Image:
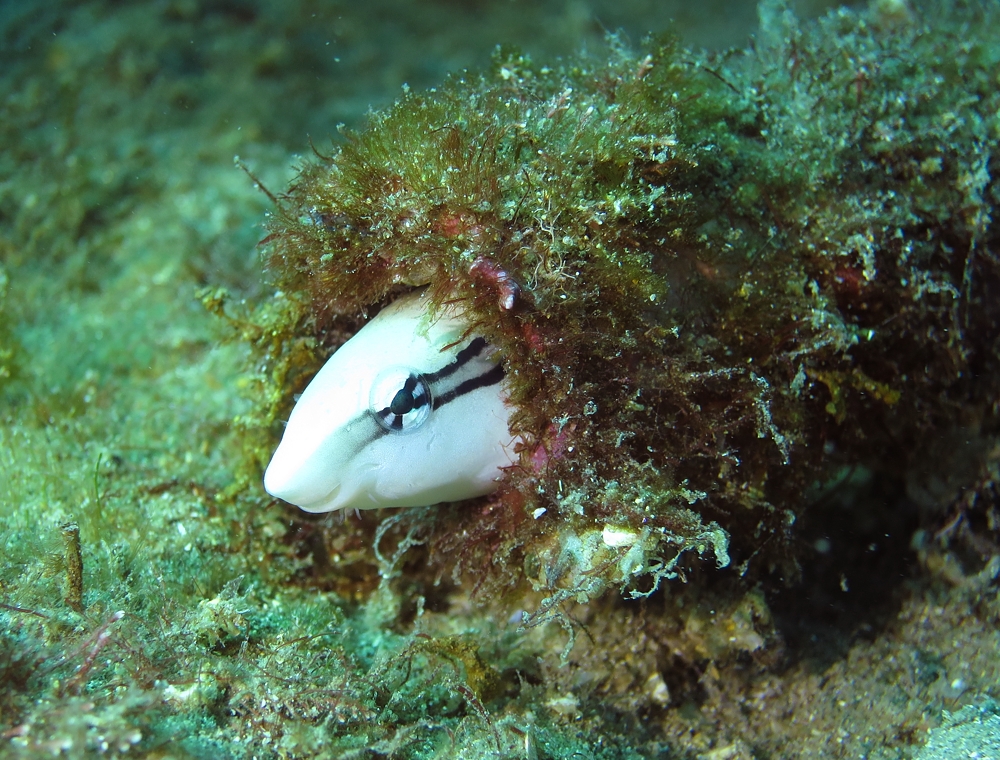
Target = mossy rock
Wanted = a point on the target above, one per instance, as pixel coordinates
(714, 281)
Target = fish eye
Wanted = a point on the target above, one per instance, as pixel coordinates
(400, 399)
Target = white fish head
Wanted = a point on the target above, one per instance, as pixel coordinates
(409, 412)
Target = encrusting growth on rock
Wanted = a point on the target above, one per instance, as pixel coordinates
(714, 283)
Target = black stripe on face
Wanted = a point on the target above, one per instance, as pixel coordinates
(490, 377)
(423, 393)
(363, 430)
(462, 358)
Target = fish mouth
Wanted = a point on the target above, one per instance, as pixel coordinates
(322, 504)
(292, 486)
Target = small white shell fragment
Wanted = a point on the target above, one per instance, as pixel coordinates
(539, 512)
(409, 412)
(617, 537)
(657, 691)
(567, 705)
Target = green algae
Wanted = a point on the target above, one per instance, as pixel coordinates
(249, 631)
(724, 268)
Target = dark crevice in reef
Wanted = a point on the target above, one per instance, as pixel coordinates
(856, 559)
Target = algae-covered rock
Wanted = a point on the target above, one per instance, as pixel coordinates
(715, 281)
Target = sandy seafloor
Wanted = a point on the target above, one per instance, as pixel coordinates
(119, 201)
